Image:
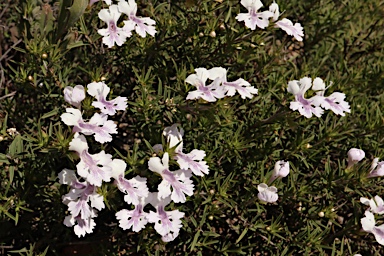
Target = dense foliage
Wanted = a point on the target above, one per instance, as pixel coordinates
(319, 209)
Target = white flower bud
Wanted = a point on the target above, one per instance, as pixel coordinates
(355, 155)
(281, 170)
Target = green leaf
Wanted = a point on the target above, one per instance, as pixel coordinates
(50, 113)
(16, 146)
(242, 235)
(70, 12)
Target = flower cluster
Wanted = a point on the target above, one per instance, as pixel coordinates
(118, 35)
(83, 200)
(316, 104)
(98, 125)
(174, 186)
(368, 223)
(254, 18)
(268, 194)
(219, 88)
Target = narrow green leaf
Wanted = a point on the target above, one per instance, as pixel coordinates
(242, 235)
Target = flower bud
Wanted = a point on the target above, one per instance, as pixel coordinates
(212, 34)
(281, 170)
(74, 95)
(321, 214)
(355, 155)
(293, 87)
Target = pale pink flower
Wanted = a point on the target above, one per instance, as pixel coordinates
(97, 125)
(306, 107)
(376, 204)
(230, 88)
(368, 224)
(78, 198)
(80, 205)
(377, 168)
(293, 30)
(334, 102)
(136, 218)
(113, 34)
(81, 226)
(94, 168)
(193, 161)
(100, 91)
(142, 26)
(210, 92)
(167, 223)
(134, 188)
(74, 95)
(179, 180)
(267, 194)
(254, 18)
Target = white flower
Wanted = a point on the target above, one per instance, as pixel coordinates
(230, 88)
(281, 170)
(293, 30)
(78, 198)
(179, 180)
(94, 168)
(376, 205)
(100, 91)
(267, 194)
(274, 8)
(306, 107)
(134, 188)
(97, 125)
(369, 225)
(81, 226)
(167, 223)
(141, 25)
(254, 18)
(193, 161)
(210, 92)
(355, 155)
(136, 218)
(74, 95)
(377, 168)
(112, 34)
(334, 102)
